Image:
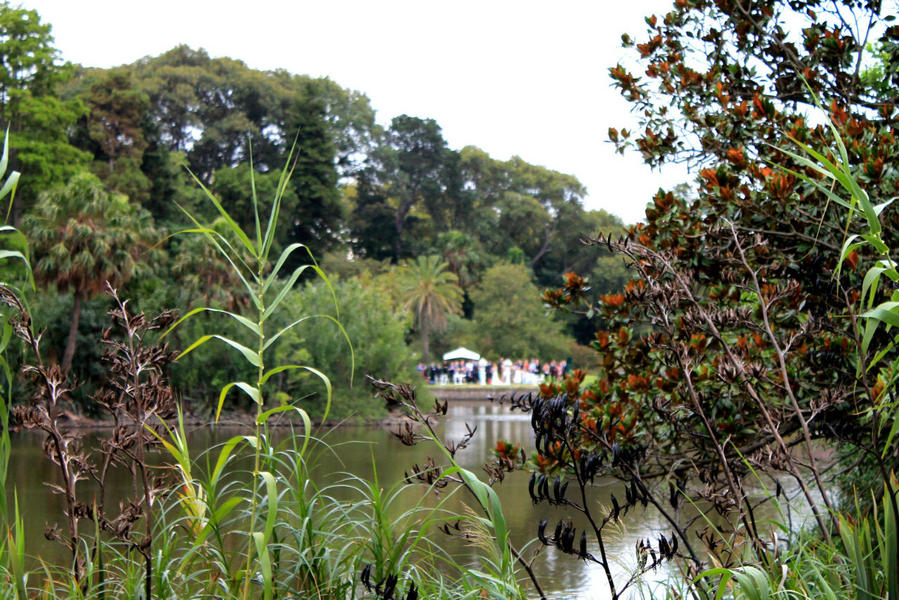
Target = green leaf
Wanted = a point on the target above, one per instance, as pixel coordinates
(232, 224)
(848, 246)
(871, 282)
(251, 391)
(4, 159)
(286, 173)
(240, 319)
(285, 254)
(316, 372)
(254, 197)
(225, 454)
(271, 503)
(265, 563)
(722, 584)
(284, 290)
(875, 241)
(883, 205)
(9, 186)
(252, 357)
(886, 312)
(284, 330)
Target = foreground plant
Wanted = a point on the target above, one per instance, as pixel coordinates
(266, 290)
(499, 579)
(138, 400)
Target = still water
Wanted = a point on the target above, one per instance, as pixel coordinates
(360, 450)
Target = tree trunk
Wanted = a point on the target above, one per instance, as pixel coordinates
(424, 342)
(398, 223)
(69, 354)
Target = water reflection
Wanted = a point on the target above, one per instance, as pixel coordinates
(359, 451)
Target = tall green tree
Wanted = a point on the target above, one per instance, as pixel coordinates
(427, 288)
(519, 205)
(114, 129)
(39, 121)
(83, 237)
(509, 317)
(405, 172)
(316, 219)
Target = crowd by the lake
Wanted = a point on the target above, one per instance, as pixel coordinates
(504, 371)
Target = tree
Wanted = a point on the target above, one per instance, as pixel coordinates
(524, 206)
(113, 129)
(427, 288)
(316, 218)
(465, 258)
(374, 325)
(405, 171)
(83, 237)
(230, 184)
(509, 319)
(738, 338)
(39, 121)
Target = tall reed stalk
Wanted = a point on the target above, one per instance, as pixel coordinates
(266, 287)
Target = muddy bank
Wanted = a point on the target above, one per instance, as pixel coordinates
(477, 392)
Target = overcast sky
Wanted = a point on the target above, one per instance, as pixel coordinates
(509, 76)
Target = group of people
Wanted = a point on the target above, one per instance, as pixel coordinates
(502, 372)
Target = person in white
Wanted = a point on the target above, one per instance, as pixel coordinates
(507, 371)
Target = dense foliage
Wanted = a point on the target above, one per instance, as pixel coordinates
(754, 334)
(151, 135)
(746, 339)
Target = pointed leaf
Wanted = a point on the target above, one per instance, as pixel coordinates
(240, 319)
(232, 224)
(316, 372)
(285, 254)
(252, 357)
(251, 391)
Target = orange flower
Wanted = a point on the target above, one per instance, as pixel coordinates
(736, 157)
(612, 300)
(603, 338)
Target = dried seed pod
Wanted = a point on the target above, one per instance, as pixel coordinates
(541, 532)
(413, 593)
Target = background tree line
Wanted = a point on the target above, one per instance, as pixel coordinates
(110, 156)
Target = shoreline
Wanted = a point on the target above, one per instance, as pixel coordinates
(238, 418)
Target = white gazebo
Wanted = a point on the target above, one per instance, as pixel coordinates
(461, 353)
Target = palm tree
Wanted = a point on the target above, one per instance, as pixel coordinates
(426, 287)
(83, 237)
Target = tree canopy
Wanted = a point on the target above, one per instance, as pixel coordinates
(738, 335)
(84, 238)
(154, 131)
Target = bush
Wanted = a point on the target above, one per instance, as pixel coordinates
(377, 332)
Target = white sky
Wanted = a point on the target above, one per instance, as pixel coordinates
(509, 76)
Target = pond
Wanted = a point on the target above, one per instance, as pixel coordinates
(360, 450)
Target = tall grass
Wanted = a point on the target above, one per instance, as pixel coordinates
(284, 532)
(266, 287)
